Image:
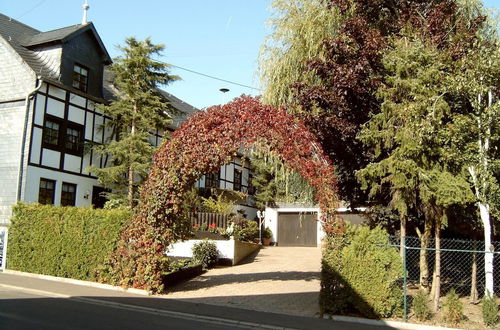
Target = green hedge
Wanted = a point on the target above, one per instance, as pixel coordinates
(62, 241)
(359, 276)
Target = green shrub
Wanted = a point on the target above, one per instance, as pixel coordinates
(247, 231)
(452, 307)
(63, 241)
(178, 264)
(421, 306)
(359, 275)
(489, 308)
(267, 233)
(205, 253)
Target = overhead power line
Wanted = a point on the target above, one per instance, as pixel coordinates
(212, 77)
(31, 9)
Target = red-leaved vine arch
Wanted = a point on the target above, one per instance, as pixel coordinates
(202, 144)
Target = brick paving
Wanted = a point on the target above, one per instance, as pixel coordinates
(276, 279)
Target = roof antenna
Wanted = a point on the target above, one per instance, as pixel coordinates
(85, 9)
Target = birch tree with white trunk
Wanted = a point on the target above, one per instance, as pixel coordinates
(476, 140)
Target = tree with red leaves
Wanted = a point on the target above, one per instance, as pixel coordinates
(201, 145)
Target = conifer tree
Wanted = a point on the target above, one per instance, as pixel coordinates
(406, 137)
(138, 110)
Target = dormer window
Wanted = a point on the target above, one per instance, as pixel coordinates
(80, 77)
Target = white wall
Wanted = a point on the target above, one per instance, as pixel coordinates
(228, 249)
(184, 249)
(84, 185)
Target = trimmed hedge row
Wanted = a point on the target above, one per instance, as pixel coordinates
(359, 276)
(63, 241)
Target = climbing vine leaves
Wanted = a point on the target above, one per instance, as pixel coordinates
(202, 144)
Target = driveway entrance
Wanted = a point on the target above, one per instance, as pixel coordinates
(276, 279)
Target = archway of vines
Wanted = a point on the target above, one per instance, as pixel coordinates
(202, 144)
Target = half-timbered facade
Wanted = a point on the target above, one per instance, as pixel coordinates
(50, 84)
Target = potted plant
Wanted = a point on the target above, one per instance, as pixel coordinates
(267, 235)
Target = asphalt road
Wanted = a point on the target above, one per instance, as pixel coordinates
(22, 310)
(29, 302)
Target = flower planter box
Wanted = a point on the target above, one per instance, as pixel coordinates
(181, 275)
(209, 235)
(230, 251)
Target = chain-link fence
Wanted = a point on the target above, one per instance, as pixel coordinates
(462, 266)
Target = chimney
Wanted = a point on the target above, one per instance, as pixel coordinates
(85, 9)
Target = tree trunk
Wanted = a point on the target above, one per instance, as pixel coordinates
(424, 265)
(488, 248)
(481, 187)
(436, 283)
(474, 296)
(402, 233)
(484, 211)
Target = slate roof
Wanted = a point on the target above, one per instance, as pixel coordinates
(23, 37)
(14, 32)
(51, 36)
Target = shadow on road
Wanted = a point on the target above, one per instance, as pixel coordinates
(93, 312)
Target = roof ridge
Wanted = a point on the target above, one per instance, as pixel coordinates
(63, 28)
(18, 22)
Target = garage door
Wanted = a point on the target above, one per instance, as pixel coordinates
(297, 229)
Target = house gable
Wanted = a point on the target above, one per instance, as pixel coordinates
(83, 50)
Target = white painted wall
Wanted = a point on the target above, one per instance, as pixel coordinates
(228, 249)
(76, 115)
(55, 107)
(84, 185)
(57, 92)
(184, 249)
(51, 158)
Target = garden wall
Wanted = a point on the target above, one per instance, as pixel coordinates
(232, 250)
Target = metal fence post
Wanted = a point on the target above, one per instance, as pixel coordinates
(4, 249)
(405, 313)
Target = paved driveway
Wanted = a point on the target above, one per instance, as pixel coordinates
(277, 279)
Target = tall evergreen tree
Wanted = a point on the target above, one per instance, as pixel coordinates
(138, 110)
(406, 139)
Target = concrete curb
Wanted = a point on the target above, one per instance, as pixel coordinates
(394, 324)
(180, 315)
(78, 282)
